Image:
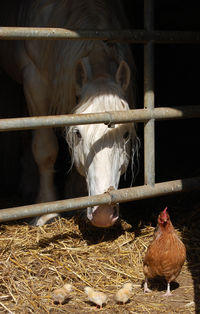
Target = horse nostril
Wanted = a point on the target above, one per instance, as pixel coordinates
(115, 211)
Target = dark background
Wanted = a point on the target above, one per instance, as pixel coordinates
(177, 69)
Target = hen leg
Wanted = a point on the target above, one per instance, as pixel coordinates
(146, 289)
(168, 292)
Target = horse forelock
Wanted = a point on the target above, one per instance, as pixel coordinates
(107, 98)
(100, 96)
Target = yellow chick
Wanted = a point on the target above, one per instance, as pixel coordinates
(123, 294)
(61, 295)
(97, 297)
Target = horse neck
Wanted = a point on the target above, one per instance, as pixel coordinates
(81, 14)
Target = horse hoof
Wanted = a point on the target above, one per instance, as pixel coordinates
(45, 219)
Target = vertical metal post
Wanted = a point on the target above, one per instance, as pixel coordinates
(149, 127)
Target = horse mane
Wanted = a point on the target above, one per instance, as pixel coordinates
(74, 15)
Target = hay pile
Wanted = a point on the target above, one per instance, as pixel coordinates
(36, 260)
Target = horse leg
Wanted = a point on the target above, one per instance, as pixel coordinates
(44, 143)
(45, 149)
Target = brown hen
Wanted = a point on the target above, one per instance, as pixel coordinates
(165, 255)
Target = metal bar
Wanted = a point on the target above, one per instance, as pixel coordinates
(149, 126)
(114, 196)
(128, 35)
(112, 117)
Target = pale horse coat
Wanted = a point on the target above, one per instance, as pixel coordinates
(74, 76)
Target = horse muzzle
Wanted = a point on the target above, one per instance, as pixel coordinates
(103, 216)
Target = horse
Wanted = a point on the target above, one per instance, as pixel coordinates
(64, 76)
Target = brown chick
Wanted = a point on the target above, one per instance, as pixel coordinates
(123, 294)
(60, 295)
(166, 254)
(97, 297)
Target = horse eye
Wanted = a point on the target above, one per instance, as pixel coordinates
(77, 132)
(77, 100)
(126, 135)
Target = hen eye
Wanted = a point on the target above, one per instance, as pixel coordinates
(77, 133)
(126, 135)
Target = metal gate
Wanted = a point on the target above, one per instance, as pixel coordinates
(148, 115)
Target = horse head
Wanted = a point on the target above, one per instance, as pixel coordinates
(101, 153)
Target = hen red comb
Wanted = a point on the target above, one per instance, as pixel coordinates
(164, 211)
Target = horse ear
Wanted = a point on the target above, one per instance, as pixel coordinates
(123, 75)
(80, 77)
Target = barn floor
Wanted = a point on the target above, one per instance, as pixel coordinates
(34, 261)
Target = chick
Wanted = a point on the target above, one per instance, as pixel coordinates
(60, 295)
(97, 297)
(123, 294)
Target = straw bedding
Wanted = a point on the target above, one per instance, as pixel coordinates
(36, 260)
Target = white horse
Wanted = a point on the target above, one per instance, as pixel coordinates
(74, 76)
